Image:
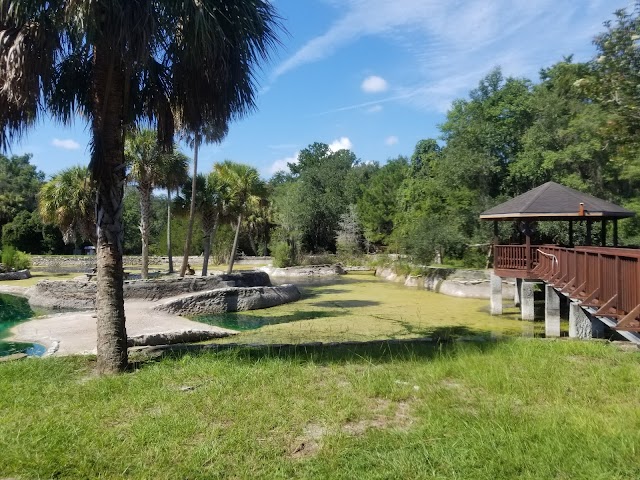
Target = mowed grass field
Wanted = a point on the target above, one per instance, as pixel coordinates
(511, 408)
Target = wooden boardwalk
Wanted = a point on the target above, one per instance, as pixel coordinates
(606, 280)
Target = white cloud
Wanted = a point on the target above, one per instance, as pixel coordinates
(67, 144)
(374, 84)
(282, 163)
(375, 109)
(452, 45)
(392, 140)
(343, 143)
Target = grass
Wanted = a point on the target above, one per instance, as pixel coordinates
(362, 307)
(520, 408)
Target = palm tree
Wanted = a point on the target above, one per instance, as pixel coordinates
(120, 62)
(210, 203)
(212, 134)
(145, 160)
(173, 175)
(245, 188)
(68, 201)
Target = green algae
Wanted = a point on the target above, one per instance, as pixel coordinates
(362, 307)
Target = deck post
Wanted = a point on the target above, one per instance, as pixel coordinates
(579, 322)
(496, 294)
(615, 232)
(588, 239)
(603, 233)
(570, 233)
(551, 312)
(516, 292)
(526, 301)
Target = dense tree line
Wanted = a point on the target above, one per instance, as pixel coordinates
(578, 125)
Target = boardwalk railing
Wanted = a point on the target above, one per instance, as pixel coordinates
(607, 279)
(514, 257)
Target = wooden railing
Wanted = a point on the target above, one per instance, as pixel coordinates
(514, 257)
(607, 279)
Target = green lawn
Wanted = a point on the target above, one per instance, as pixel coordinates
(522, 408)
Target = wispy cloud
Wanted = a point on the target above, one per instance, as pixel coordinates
(67, 144)
(454, 44)
(375, 109)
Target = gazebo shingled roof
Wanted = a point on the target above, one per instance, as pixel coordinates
(552, 200)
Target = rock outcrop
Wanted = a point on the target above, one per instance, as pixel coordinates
(80, 295)
(231, 299)
(19, 275)
(449, 281)
(305, 271)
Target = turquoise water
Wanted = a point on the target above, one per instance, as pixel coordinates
(14, 310)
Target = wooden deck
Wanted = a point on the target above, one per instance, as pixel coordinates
(606, 279)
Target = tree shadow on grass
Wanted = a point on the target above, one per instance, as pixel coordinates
(443, 341)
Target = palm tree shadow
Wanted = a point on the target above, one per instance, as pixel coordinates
(442, 341)
(346, 303)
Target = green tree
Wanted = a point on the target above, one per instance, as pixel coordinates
(322, 197)
(68, 201)
(211, 196)
(173, 175)
(26, 232)
(378, 206)
(146, 164)
(19, 185)
(120, 62)
(216, 134)
(244, 188)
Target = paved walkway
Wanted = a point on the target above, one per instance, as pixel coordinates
(75, 332)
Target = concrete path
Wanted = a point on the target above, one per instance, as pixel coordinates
(75, 332)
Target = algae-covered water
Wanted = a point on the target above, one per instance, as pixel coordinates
(363, 307)
(14, 310)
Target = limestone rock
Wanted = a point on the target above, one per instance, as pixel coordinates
(233, 299)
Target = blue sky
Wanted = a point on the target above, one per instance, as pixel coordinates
(375, 76)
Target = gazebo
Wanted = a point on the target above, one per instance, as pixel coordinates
(603, 281)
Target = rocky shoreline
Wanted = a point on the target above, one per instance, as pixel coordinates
(448, 281)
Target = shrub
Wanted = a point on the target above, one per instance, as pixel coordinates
(283, 255)
(15, 259)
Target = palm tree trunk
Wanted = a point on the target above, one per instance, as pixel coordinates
(192, 210)
(108, 170)
(169, 254)
(206, 244)
(252, 243)
(232, 257)
(145, 224)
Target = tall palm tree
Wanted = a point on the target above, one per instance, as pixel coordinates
(210, 203)
(145, 160)
(245, 188)
(211, 134)
(173, 175)
(68, 201)
(119, 62)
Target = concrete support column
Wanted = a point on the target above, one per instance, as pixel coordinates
(516, 293)
(496, 294)
(526, 301)
(579, 322)
(551, 312)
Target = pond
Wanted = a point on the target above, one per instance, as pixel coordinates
(364, 307)
(14, 310)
